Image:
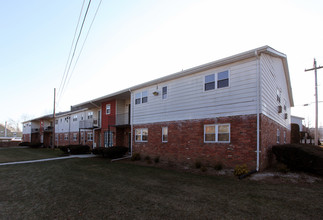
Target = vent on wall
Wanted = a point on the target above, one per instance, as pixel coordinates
(280, 109)
(286, 116)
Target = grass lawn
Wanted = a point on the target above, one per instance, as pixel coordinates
(21, 154)
(93, 188)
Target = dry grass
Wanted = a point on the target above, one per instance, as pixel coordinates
(96, 189)
(22, 154)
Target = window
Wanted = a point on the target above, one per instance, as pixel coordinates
(56, 122)
(141, 135)
(164, 92)
(74, 136)
(141, 97)
(209, 82)
(75, 118)
(284, 137)
(89, 137)
(278, 95)
(217, 133)
(165, 134)
(144, 97)
(278, 136)
(108, 109)
(65, 136)
(223, 79)
(108, 139)
(285, 108)
(138, 98)
(82, 117)
(89, 115)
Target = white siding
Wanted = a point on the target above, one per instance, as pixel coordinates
(186, 98)
(26, 129)
(273, 78)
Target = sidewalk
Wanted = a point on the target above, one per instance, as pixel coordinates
(49, 159)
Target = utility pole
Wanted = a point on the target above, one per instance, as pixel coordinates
(315, 68)
(54, 120)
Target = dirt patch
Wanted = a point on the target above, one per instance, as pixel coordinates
(290, 177)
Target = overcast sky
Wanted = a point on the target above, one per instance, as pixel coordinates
(133, 41)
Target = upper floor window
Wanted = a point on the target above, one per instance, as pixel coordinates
(75, 118)
(218, 80)
(141, 97)
(279, 95)
(144, 97)
(164, 92)
(223, 79)
(217, 133)
(108, 109)
(56, 122)
(89, 115)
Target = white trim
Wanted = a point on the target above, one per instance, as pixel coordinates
(141, 134)
(163, 141)
(216, 80)
(106, 109)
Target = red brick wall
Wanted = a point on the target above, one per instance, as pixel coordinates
(26, 137)
(186, 142)
(108, 119)
(268, 137)
(70, 141)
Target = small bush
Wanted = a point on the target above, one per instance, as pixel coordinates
(300, 157)
(136, 156)
(156, 159)
(282, 168)
(198, 164)
(203, 169)
(240, 170)
(98, 150)
(114, 152)
(218, 166)
(147, 158)
(35, 145)
(24, 144)
(75, 149)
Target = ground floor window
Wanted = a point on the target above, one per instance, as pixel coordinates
(278, 136)
(141, 135)
(165, 134)
(75, 137)
(89, 136)
(108, 139)
(217, 133)
(65, 137)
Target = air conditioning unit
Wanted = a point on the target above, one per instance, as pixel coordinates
(95, 122)
(280, 109)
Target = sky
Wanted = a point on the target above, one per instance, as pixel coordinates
(134, 41)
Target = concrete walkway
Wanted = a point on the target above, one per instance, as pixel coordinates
(49, 159)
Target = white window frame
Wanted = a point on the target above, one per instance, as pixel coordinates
(140, 132)
(164, 93)
(90, 136)
(216, 80)
(74, 117)
(285, 139)
(74, 136)
(163, 134)
(278, 136)
(140, 98)
(137, 98)
(65, 137)
(89, 115)
(216, 139)
(108, 109)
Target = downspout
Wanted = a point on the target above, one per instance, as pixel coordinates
(131, 120)
(258, 109)
(94, 129)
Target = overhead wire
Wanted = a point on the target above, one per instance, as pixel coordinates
(83, 45)
(75, 46)
(71, 48)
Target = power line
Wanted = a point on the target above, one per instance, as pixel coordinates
(83, 44)
(78, 38)
(69, 55)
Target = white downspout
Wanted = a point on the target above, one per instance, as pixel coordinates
(258, 109)
(131, 119)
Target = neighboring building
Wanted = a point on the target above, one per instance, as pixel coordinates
(230, 111)
(7, 131)
(298, 121)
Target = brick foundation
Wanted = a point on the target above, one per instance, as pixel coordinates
(186, 141)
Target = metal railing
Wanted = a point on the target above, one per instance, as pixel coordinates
(89, 123)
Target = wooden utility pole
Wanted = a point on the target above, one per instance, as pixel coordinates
(54, 120)
(315, 68)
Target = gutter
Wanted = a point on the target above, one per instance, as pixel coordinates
(258, 109)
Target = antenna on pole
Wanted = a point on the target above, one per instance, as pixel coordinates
(54, 120)
(315, 68)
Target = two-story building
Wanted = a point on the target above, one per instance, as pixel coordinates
(229, 111)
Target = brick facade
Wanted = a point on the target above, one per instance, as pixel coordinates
(186, 141)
